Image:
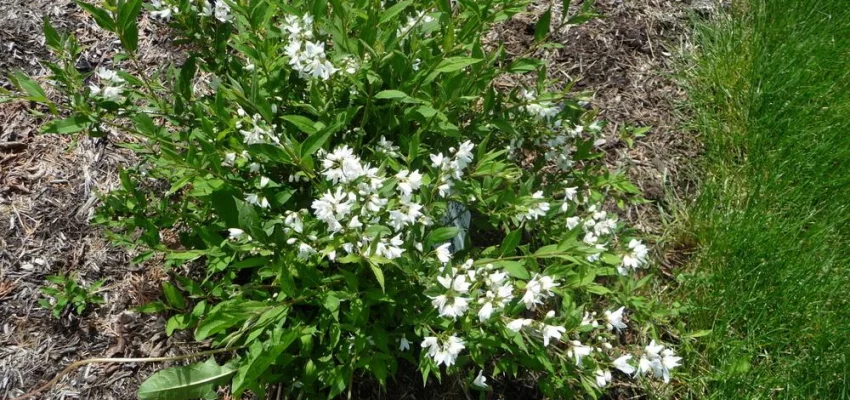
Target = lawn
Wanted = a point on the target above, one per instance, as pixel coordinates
(770, 93)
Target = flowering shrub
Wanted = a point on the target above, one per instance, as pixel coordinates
(350, 190)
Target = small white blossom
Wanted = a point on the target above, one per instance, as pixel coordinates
(622, 364)
(443, 253)
(603, 378)
(404, 344)
(552, 332)
(615, 319)
(480, 381)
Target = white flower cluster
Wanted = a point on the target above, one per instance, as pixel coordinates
(306, 56)
(543, 110)
(445, 352)
(220, 10)
(112, 85)
(255, 130)
(655, 360)
(364, 196)
(452, 167)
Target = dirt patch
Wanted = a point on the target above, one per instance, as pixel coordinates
(48, 192)
(624, 61)
(48, 186)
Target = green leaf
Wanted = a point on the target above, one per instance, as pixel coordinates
(248, 219)
(101, 16)
(524, 65)
(391, 12)
(173, 296)
(379, 275)
(185, 383)
(440, 235)
(390, 94)
(565, 5)
(68, 125)
(511, 242)
(303, 124)
(452, 64)
(541, 29)
(31, 87)
(697, 334)
(51, 37)
(316, 141)
(260, 357)
(127, 28)
(514, 268)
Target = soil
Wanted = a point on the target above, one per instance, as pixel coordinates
(49, 186)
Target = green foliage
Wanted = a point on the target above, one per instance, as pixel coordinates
(345, 176)
(65, 292)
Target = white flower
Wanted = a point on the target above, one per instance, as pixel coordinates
(573, 222)
(668, 362)
(445, 353)
(615, 319)
(404, 344)
(653, 350)
(589, 319)
(387, 147)
(622, 364)
(538, 289)
(635, 259)
(257, 200)
(113, 93)
(342, 165)
(456, 308)
(416, 64)
(480, 381)
(485, 312)
(332, 207)
(443, 253)
(517, 324)
(646, 365)
(109, 75)
(579, 351)
(264, 181)
(236, 233)
(408, 181)
(293, 221)
(222, 11)
(552, 332)
(538, 209)
(305, 251)
(229, 159)
(603, 378)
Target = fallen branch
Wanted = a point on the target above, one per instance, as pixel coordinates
(80, 363)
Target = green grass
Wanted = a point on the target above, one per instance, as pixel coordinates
(770, 91)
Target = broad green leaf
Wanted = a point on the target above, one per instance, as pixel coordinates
(524, 65)
(73, 124)
(51, 37)
(315, 142)
(303, 124)
(514, 268)
(173, 296)
(453, 64)
(184, 383)
(379, 275)
(391, 94)
(541, 29)
(127, 27)
(393, 11)
(443, 234)
(511, 242)
(101, 16)
(31, 87)
(227, 314)
(260, 356)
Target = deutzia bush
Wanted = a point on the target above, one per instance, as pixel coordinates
(352, 191)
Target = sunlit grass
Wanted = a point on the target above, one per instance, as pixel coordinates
(770, 89)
